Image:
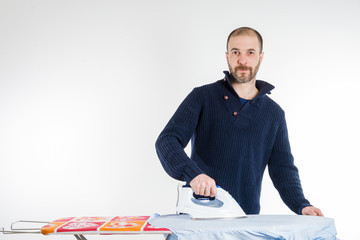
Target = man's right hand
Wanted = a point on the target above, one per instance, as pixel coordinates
(203, 185)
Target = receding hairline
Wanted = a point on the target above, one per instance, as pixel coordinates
(245, 31)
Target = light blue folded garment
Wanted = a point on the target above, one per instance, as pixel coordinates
(253, 227)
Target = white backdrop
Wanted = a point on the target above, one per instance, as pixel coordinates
(86, 86)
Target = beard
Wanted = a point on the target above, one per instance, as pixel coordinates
(243, 77)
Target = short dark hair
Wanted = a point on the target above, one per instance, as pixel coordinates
(245, 31)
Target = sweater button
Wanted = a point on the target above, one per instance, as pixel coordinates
(235, 114)
(226, 97)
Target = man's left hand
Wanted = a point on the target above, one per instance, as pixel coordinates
(312, 211)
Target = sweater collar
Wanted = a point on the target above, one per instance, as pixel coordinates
(263, 87)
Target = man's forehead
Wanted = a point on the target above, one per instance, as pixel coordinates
(244, 41)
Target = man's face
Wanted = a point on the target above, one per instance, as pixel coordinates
(244, 57)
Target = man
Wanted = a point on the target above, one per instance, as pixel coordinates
(236, 131)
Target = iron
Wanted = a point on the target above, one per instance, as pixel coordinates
(222, 206)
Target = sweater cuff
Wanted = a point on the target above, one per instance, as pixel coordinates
(302, 207)
(191, 172)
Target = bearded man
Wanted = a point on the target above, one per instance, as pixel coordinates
(236, 131)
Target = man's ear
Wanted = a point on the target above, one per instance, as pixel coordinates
(261, 56)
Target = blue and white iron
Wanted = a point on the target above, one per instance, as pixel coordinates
(223, 205)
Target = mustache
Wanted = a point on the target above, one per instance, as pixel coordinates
(242, 67)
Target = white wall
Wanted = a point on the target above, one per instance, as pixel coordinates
(87, 86)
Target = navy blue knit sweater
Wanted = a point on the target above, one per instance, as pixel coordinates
(232, 143)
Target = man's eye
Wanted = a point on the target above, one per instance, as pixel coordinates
(251, 52)
(235, 52)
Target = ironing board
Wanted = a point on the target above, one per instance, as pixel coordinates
(253, 227)
(80, 226)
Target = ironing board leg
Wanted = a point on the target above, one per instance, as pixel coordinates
(80, 237)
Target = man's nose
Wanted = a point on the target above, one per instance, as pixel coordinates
(242, 59)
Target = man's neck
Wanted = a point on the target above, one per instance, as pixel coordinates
(246, 90)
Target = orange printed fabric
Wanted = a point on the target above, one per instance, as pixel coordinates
(101, 225)
(125, 224)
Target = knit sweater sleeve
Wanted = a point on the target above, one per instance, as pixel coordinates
(175, 137)
(284, 173)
